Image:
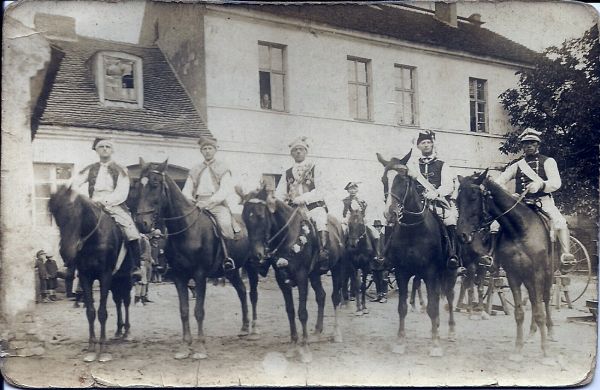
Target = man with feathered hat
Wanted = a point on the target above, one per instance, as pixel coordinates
(108, 185)
(538, 175)
(208, 186)
(301, 185)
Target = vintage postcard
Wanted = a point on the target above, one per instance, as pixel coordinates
(302, 194)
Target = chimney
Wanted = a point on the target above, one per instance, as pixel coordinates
(446, 13)
(55, 26)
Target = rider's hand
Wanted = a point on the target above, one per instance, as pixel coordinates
(431, 195)
(534, 186)
(298, 201)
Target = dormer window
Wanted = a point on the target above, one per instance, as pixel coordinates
(119, 79)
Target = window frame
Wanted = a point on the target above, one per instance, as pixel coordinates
(474, 100)
(54, 183)
(269, 70)
(413, 93)
(356, 84)
(138, 75)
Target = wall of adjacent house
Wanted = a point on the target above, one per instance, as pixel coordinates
(317, 103)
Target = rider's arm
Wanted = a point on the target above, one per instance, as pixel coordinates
(188, 188)
(447, 185)
(553, 183)
(509, 173)
(119, 195)
(225, 189)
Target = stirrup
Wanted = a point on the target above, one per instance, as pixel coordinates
(228, 264)
(486, 261)
(453, 262)
(567, 259)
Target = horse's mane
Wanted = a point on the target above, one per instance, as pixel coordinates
(61, 197)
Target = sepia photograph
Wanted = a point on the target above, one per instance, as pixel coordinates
(220, 193)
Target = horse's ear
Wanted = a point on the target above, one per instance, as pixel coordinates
(405, 159)
(271, 202)
(142, 162)
(460, 179)
(240, 192)
(163, 166)
(383, 161)
(481, 177)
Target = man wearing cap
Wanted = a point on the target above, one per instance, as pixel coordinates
(40, 266)
(300, 186)
(52, 275)
(208, 186)
(538, 175)
(108, 186)
(352, 189)
(441, 179)
(378, 264)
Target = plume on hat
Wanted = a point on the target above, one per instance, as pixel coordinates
(302, 141)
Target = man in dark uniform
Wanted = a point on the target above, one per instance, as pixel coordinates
(378, 265)
(352, 189)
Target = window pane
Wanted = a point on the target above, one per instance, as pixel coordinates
(352, 100)
(277, 92)
(351, 70)
(361, 70)
(63, 172)
(471, 89)
(264, 80)
(42, 190)
(473, 117)
(480, 89)
(406, 76)
(363, 112)
(398, 77)
(481, 127)
(41, 172)
(276, 58)
(119, 79)
(399, 106)
(407, 108)
(263, 56)
(480, 107)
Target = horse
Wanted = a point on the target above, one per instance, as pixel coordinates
(284, 238)
(193, 251)
(90, 241)
(416, 248)
(524, 248)
(361, 250)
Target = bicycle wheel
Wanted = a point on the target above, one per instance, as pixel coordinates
(580, 272)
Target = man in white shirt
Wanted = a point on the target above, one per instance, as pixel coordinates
(538, 174)
(108, 186)
(208, 186)
(301, 185)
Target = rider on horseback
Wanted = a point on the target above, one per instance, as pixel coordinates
(301, 187)
(440, 176)
(208, 186)
(538, 175)
(108, 186)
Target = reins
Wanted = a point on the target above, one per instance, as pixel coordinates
(82, 242)
(402, 211)
(486, 195)
(281, 230)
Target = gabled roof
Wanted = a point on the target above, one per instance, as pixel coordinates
(407, 25)
(71, 98)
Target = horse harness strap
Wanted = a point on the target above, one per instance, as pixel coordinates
(486, 225)
(82, 242)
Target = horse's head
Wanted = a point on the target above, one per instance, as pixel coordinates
(471, 205)
(356, 225)
(402, 185)
(152, 194)
(66, 206)
(258, 207)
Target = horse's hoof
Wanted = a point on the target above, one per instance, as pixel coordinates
(127, 337)
(365, 311)
(243, 333)
(399, 349)
(485, 315)
(199, 355)
(515, 357)
(358, 313)
(105, 357)
(184, 354)
(117, 336)
(90, 357)
(452, 337)
(552, 338)
(436, 352)
(254, 336)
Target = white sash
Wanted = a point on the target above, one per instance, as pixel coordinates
(528, 171)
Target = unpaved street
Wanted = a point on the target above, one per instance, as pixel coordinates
(478, 357)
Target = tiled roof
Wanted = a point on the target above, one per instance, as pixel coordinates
(71, 98)
(407, 25)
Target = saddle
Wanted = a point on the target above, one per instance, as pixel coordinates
(544, 216)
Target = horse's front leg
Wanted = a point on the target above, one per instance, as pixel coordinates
(315, 282)
(286, 290)
(126, 303)
(184, 311)
(449, 283)
(119, 332)
(432, 284)
(305, 354)
(515, 287)
(103, 316)
(200, 350)
(402, 281)
(240, 288)
(363, 289)
(337, 274)
(253, 280)
(537, 309)
(90, 311)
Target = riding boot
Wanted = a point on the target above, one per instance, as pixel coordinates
(135, 253)
(453, 260)
(324, 253)
(488, 260)
(228, 263)
(567, 258)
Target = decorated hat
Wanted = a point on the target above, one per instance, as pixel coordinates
(101, 141)
(300, 141)
(352, 184)
(40, 252)
(530, 134)
(426, 135)
(156, 233)
(377, 223)
(203, 141)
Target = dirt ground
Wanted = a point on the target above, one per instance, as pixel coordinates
(479, 356)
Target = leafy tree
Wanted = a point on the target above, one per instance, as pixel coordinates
(560, 96)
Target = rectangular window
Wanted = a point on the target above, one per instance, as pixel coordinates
(47, 177)
(478, 105)
(359, 88)
(405, 88)
(119, 79)
(271, 76)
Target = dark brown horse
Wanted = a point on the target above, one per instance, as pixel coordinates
(283, 237)
(90, 242)
(523, 249)
(193, 251)
(416, 248)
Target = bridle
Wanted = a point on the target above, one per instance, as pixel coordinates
(156, 213)
(400, 211)
(81, 242)
(364, 232)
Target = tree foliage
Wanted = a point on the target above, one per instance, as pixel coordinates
(560, 97)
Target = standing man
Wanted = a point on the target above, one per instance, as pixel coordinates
(108, 186)
(538, 175)
(42, 275)
(378, 265)
(52, 274)
(300, 186)
(208, 186)
(441, 179)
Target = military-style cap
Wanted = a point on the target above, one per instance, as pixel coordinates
(352, 184)
(102, 141)
(377, 223)
(203, 141)
(427, 135)
(530, 134)
(40, 252)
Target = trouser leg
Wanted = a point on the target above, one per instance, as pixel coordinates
(324, 253)
(565, 242)
(135, 253)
